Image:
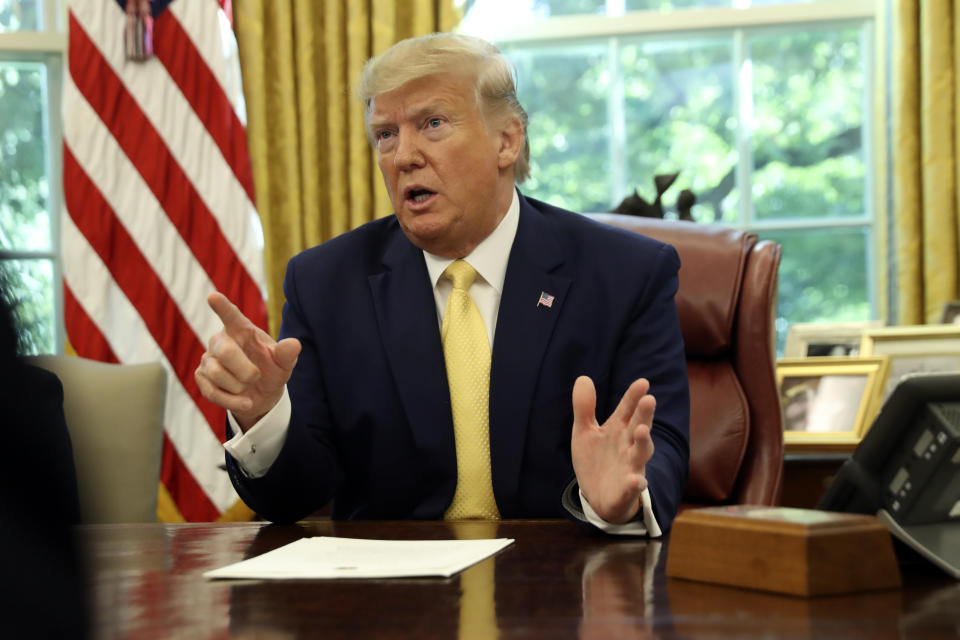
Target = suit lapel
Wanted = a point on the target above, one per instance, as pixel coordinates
(406, 313)
(524, 328)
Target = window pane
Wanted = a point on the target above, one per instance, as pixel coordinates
(823, 276)
(564, 90)
(679, 118)
(29, 286)
(808, 117)
(666, 5)
(547, 8)
(24, 186)
(487, 16)
(16, 15)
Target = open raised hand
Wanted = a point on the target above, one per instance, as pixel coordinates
(610, 460)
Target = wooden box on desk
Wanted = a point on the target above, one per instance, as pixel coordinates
(797, 551)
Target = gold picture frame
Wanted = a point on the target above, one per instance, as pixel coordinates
(829, 402)
(810, 339)
(914, 349)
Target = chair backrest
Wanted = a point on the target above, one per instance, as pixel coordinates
(114, 413)
(727, 304)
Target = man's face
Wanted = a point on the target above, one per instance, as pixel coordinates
(447, 175)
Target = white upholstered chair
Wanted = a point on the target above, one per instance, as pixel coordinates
(115, 414)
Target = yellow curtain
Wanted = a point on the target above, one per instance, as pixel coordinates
(926, 126)
(313, 169)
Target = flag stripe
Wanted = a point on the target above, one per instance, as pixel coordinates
(138, 211)
(102, 300)
(140, 141)
(85, 338)
(202, 90)
(98, 223)
(198, 446)
(193, 503)
(227, 6)
(220, 53)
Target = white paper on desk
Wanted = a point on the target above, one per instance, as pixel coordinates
(326, 557)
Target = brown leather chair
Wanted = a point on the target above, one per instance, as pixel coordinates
(727, 302)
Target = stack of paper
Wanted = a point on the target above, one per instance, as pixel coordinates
(326, 557)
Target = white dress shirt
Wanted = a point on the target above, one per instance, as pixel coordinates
(259, 447)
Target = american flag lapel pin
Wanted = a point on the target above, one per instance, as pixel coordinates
(545, 300)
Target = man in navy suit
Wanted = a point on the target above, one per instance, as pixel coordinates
(352, 404)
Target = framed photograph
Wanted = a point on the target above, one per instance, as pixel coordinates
(809, 339)
(829, 402)
(951, 312)
(931, 348)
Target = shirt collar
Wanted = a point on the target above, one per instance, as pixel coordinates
(489, 257)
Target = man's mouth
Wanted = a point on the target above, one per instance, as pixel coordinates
(418, 195)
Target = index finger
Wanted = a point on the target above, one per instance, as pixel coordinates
(229, 314)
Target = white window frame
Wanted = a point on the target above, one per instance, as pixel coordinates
(48, 45)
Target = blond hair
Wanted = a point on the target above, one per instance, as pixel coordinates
(493, 75)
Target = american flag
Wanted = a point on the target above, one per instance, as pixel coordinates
(159, 212)
(545, 299)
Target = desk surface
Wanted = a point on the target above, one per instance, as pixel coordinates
(558, 580)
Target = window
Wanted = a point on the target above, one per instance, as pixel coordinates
(763, 108)
(31, 53)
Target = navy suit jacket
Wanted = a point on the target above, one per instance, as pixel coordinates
(371, 426)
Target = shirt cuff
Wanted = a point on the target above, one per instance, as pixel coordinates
(647, 525)
(257, 449)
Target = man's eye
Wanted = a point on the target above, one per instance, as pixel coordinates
(435, 122)
(384, 135)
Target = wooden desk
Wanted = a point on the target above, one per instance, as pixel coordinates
(557, 581)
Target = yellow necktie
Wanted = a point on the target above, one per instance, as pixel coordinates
(466, 351)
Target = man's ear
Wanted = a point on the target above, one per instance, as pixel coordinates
(511, 142)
